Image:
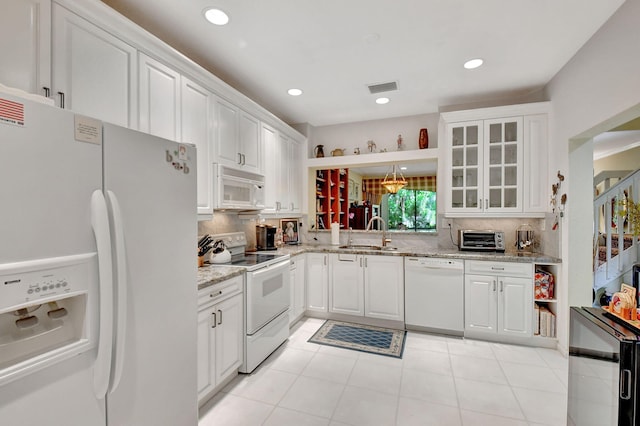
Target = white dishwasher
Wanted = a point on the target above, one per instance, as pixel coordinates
(434, 294)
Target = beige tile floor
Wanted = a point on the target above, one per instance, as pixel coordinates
(440, 381)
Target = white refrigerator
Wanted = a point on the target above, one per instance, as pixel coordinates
(98, 226)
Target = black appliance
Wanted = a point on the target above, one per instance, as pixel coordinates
(266, 237)
(604, 357)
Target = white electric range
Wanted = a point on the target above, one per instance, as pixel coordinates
(266, 297)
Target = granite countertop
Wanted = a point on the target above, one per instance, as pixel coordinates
(209, 275)
(509, 256)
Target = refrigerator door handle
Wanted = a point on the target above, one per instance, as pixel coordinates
(625, 384)
(120, 289)
(100, 225)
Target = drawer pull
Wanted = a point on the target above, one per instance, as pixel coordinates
(214, 320)
(220, 317)
(215, 294)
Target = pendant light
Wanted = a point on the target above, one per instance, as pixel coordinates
(394, 185)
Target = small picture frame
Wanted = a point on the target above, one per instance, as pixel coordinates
(289, 231)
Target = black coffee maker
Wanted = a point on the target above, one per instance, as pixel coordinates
(266, 237)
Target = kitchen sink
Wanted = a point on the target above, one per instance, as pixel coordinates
(367, 247)
(361, 247)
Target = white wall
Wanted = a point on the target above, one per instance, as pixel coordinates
(596, 91)
(627, 160)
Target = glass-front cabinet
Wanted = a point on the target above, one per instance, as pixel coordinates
(486, 160)
(466, 160)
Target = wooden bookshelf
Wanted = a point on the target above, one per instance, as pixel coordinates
(332, 197)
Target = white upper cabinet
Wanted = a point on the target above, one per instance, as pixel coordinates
(272, 168)
(249, 143)
(282, 171)
(94, 73)
(196, 126)
(159, 99)
(237, 138)
(496, 161)
(25, 28)
(536, 155)
(295, 168)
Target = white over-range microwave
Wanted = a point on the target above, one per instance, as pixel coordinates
(237, 189)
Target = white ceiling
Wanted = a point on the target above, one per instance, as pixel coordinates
(333, 49)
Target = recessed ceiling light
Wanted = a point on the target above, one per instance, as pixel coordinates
(382, 101)
(473, 63)
(294, 92)
(216, 16)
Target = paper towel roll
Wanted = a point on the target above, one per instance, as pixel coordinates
(335, 234)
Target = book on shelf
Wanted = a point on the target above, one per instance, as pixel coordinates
(545, 321)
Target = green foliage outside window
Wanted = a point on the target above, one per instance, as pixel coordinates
(412, 209)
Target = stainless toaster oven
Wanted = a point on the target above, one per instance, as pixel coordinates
(480, 240)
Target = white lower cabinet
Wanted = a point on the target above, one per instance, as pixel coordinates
(346, 284)
(498, 299)
(298, 284)
(317, 282)
(220, 335)
(367, 285)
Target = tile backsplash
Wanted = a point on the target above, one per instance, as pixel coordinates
(547, 240)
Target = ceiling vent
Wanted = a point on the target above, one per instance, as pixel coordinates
(383, 87)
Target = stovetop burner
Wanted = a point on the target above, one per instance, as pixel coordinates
(236, 243)
(252, 259)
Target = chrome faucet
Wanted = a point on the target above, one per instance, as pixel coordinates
(349, 239)
(385, 240)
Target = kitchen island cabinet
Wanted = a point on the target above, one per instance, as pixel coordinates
(220, 335)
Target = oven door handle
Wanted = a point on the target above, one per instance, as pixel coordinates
(284, 264)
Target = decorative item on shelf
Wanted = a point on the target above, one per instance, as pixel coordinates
(394, 184)
(400, 146)
(290, 231)
(338, 152)
(423, 139)
(319, 151)
(371, 146)
(356, 150)
(558, 209)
